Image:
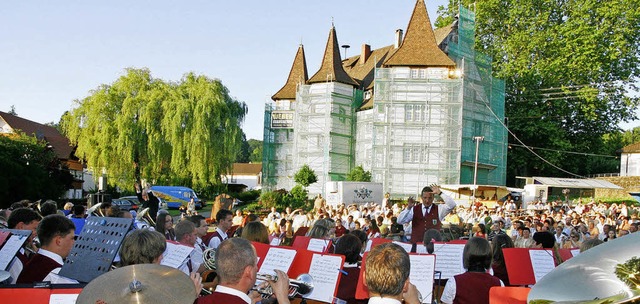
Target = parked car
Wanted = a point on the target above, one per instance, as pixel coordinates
(126, 203)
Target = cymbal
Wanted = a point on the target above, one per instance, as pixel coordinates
(143, 283)
(591, 275)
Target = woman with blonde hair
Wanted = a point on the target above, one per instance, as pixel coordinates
(255, 232)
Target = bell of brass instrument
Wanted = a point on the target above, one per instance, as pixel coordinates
(302, 286)
(209, 257)
(144, 216)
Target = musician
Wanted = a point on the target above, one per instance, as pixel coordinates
(427, 215)
(472, 286)
(186, 235)
(78, 217)
(23, 219)
(201, 230)
(148, 199)
(255, 232)
(145, 246)
(164, 225)
(57, 238)
(237, 269)
(350, 246)
(387, 276)
(224, 218)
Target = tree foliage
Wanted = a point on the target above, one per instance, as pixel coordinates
(255, 148)
(140, 127)
(305, 176)
(358, 174)
(30, 170)
(569, 67)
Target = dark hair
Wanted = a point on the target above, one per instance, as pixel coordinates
(350, 246)
(477, 255)
(431, 234)
(78, 210)
(196, 219)
(545, 238)
(360, 235)
(500, 242)
(54, 225)
(22, 215)
(222, 214)
(426, 189)
(49, 207)
(255, 232)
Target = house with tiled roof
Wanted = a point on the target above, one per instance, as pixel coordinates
(12, 124)
(630, 160)
(408, 112)
(244, 177)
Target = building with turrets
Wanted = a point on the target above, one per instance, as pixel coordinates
(412, 113)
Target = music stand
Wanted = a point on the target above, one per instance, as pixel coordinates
(96, 248)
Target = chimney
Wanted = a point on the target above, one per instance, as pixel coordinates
(364, 55)
(398, 41)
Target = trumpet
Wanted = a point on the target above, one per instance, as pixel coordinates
(302, 286)
(209, 257)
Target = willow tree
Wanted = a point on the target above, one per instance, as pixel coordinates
(570, 68)
(140, 127)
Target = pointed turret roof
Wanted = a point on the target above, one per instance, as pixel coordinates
(298, 74)
(331, 68)
(419, 47)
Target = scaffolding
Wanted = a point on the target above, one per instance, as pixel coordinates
(321, 137)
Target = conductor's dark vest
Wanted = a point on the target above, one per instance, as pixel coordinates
(420, 224)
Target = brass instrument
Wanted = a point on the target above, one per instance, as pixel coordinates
(302, 286)
(95, 210)
(209, 257)
(144, 216)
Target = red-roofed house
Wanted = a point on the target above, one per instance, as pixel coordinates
(11, 124)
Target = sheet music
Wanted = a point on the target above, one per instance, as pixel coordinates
(175, 254)
(421, 275)
(449, 259)
(542, 262)
(4, 235)
(317, 245)
(59, 298)
(277, 258)
(575, 252)
(275, 242)
(9, 250)
(405, 246)
(325, 270)
(421, 249)
(368, 247)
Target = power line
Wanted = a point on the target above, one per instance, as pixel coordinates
(568, 152)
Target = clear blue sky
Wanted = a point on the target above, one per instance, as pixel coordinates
(53, 52)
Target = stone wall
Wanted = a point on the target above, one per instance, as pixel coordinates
(629, 183)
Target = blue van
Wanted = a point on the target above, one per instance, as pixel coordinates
(176, 196)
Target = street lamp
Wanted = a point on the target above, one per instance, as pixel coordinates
(477, 139)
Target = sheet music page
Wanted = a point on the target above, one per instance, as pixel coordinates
(368, 247)
(575, 252)
(9, 250)
(421, 275)
(275, 242)
(175, 254)
(317, 245)
(405, 246)
(421, 249)
(541, 262)
(325, 270)
(449, 259)
(277, 258)
(63, 298)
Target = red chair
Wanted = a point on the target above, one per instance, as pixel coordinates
(508, 295)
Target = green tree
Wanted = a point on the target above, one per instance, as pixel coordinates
(358, 174)
(255, 146)
(305, 176)
(12, 110)
(30, 170)
(244, 152)
(569, 67)
(140, 127)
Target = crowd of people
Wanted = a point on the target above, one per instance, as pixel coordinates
(553, 225)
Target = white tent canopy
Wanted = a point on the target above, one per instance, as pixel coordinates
(571, 182)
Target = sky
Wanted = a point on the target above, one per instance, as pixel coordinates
(55, 52)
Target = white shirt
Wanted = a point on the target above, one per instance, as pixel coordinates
(53, 276)
(379, 300)
(233, 292)
(215, 241)
(449, 204)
